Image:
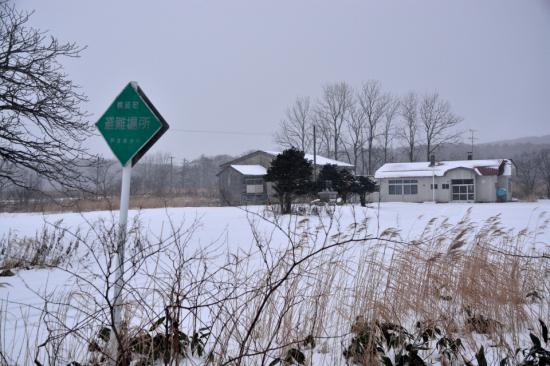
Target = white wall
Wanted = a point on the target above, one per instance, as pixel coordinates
(484, 187)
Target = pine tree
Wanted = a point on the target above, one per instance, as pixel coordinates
(362, 186)
(341, 181)
(291, 174)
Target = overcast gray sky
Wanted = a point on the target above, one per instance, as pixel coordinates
(236, 65)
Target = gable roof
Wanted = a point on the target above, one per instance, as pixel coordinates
(423, 169)
(250, 169)
(321, 160)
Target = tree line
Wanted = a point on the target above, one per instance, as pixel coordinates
(157, 175)
(293, 176)
(363, 126)
(533, 173)
(43, 127)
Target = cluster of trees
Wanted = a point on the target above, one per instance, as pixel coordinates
(160, 174)
(533, 173)
(157, 174)
(292, 175)
(42, 128)
(361, 126)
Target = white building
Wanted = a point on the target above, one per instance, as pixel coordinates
(447, 181)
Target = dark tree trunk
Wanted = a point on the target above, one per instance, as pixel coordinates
(288, 203)
(363, 199)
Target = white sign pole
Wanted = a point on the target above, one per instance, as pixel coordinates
(122, 227)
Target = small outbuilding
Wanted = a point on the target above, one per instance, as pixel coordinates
(447, 181)
(242, 182)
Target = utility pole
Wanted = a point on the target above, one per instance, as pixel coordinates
(314, 153)
(183, 168)
(472, 138)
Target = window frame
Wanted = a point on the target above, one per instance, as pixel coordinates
(401, 187)
(254, 186)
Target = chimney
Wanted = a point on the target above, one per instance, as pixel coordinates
(470, 155)
(432, 160)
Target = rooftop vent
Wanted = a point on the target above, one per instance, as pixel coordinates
(432, 160)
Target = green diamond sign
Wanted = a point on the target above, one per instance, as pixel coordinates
(131, 125)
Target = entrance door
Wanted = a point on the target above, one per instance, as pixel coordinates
(462, 190)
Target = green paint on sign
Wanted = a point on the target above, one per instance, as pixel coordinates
(130, 124)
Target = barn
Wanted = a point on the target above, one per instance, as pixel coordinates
(242, 182)
(447, 181)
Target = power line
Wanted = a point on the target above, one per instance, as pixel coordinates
(222, 132)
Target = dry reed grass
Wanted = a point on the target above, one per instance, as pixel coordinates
(479, 282)
(189, 198)
(472, 280)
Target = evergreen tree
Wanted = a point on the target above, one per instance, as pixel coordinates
(341, 181)
(345, 184)
(328, 176)
(291, 174)
(362, 186)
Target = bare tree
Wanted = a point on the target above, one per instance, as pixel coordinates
(544, 165)
(104, 177)
(41, 123)
(324, 132)
(438, 123)
(409, 114)
(295, 129)
(528, 172)
(355, 135)
(332, 111)
(388, 133)
(154, 171)
(373, 103)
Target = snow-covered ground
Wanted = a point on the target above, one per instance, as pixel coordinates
(233, 223)
(229, 230)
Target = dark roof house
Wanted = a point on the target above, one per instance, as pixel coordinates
(241, 180)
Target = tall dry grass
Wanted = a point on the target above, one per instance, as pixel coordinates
(51, 203)
(477, 281)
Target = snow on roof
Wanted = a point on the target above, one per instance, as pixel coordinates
(321, 160)
(423, 169)
(250, 169)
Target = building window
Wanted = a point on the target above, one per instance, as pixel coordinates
(432, 186)
(462, 181)
(395, 187)
(445, 186)
(402, 186)
(254, 185)
(463, 189)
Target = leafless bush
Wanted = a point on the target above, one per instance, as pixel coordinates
(48, 248)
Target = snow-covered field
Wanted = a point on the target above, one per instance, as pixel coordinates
(233, 223)
(225, 230)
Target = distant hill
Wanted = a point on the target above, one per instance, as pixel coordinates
(512, 148)
(535, 140)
